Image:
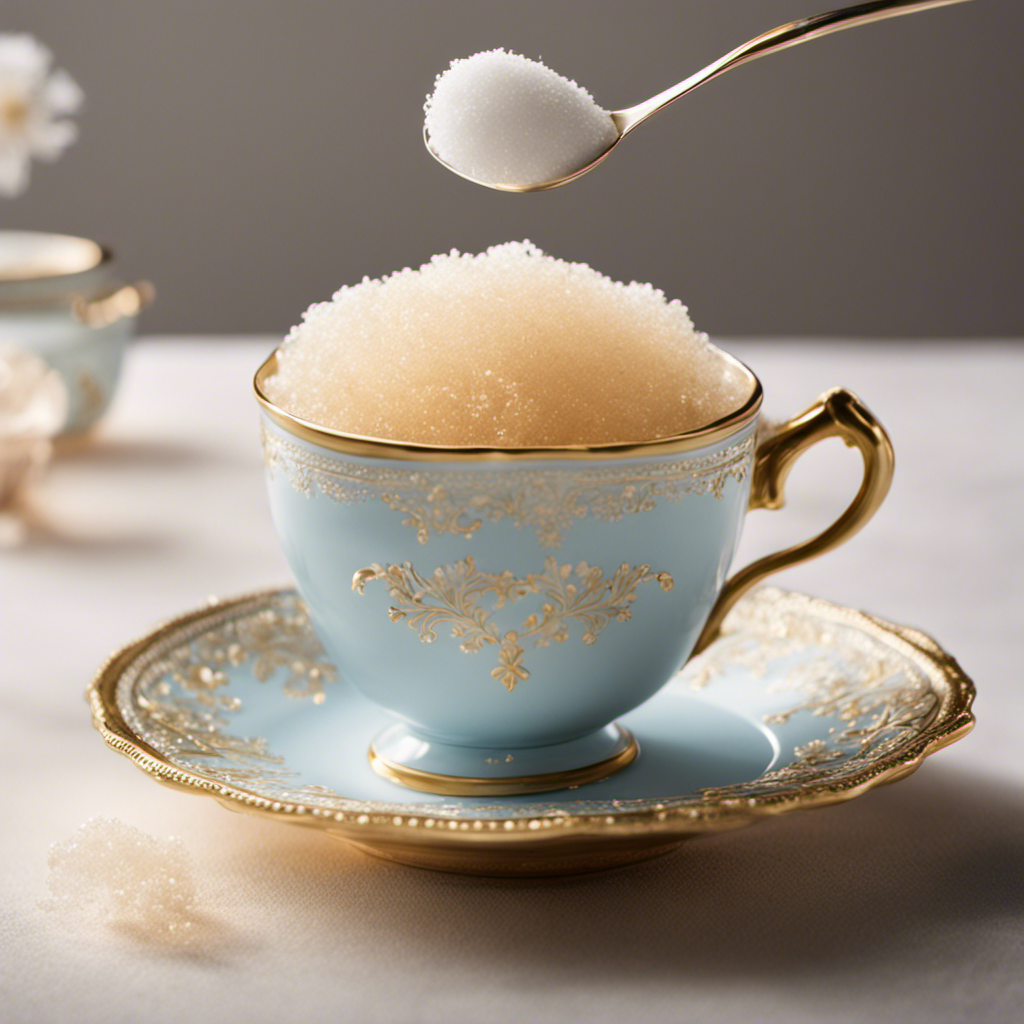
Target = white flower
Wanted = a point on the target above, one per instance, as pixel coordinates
(33, 102)
(33, 409)
(33, 397)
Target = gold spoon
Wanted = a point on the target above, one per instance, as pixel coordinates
(776, 39)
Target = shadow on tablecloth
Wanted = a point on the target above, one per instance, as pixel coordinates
(898, 877)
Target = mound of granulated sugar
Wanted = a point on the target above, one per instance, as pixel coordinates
(510, 348)
(117, 875)
(504, 119)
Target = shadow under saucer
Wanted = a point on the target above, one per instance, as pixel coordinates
(908, 878)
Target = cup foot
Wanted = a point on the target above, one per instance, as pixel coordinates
(400, 755)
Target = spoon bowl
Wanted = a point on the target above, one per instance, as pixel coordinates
(537, 186)
(791, 34)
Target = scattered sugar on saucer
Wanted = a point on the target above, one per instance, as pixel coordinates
(502, 118)
(122, 877)
(510, 348)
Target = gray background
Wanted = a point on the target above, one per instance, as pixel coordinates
(252, 157)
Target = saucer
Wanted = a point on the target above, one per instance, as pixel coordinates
(799, 703)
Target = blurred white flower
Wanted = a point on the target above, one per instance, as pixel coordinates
(33, 105)
(33, 398)
(33, 409)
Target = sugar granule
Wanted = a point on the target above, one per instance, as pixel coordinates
(509, 348)
(119, 876)
(502, 118)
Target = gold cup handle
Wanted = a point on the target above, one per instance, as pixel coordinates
(127, 300)
(837, 413)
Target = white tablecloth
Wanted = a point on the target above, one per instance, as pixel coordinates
(905, 905)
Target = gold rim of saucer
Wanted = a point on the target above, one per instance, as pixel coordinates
(409, 451)
(504, 842)
(515, 785)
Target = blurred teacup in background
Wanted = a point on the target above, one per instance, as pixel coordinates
(60, 299)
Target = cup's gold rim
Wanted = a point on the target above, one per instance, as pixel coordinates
(357, 444)
(102, 255)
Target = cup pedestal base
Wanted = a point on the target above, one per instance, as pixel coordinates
(447, 769)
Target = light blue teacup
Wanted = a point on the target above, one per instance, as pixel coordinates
(506, 606)
(60, 299)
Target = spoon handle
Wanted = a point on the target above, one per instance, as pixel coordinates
(801, 31)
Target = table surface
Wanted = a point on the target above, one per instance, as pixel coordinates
(906, 904)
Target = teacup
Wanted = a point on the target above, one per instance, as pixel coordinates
(60, 299)
(505, 606)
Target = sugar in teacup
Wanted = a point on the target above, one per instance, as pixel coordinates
(510, 348)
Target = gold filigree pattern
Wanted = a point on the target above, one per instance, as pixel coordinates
(181, 699)
(451, 597)
(549, 501)
(272, 640)
(836, 672)
(93, 395)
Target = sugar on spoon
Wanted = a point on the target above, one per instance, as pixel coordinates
(532, 104)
